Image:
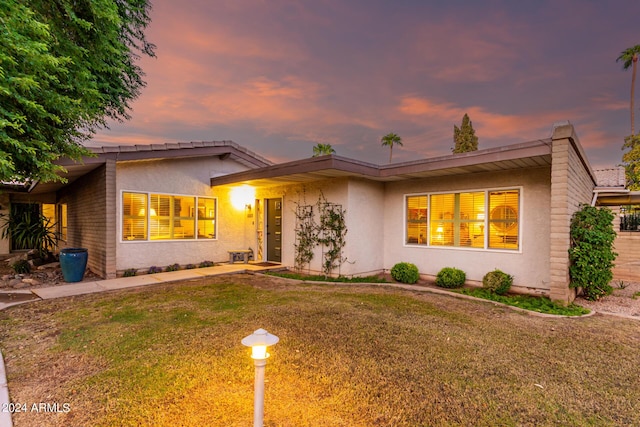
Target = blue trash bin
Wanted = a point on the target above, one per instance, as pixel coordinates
(73, 262)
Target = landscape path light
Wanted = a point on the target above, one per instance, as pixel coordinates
(258, 341)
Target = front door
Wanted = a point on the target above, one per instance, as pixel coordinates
(274, 230)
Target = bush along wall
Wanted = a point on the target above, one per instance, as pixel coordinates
(591, 253)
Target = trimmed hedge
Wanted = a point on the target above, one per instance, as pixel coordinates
(405, 272)
(497, 281)
(450, 277)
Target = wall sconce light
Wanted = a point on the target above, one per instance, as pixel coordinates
(242, 197)
(258, 341)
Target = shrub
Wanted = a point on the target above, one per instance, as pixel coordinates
(130, 272)
(405, 272)
(21, 266)
(497, 281)
(450, 277)
(591, 253)
(190, 266)
(173, 267)
(204, 264)
(154, 269)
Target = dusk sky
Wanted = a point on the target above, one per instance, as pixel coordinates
(280, 76)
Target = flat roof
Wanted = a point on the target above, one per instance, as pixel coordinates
(524, 155)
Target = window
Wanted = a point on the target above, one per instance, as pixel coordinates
(461, 219)
(167, 217)
(171, 217)
(503, 219)
(457, 219)
(206, 218)
(62, 221)
(416, 220)
(134, 216)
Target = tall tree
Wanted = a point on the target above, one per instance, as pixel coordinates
(631, 161)
(464, 136)
(323, 150)
(66, 66)
(629, 58)
(389, 140)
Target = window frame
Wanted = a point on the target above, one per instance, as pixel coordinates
(486, 223)
(195, 218)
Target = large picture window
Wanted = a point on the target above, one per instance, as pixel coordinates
(167, 217)
(478, 219)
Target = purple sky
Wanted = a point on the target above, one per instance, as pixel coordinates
(280, 76)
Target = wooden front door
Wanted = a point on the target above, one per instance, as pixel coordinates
(274, 230)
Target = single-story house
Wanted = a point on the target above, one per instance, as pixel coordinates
(508, 208)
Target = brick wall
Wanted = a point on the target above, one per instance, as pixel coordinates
(91, 217)
(572, 184)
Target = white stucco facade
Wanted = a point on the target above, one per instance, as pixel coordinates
(529, 264)
(185, 177)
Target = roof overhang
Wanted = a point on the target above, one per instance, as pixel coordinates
(616, 197)
(526, 155)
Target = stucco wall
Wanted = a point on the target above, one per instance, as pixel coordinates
(364, 218)
(180, 177)
(334, 191)
(529, 265)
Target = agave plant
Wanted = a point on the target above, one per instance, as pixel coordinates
(30, 230)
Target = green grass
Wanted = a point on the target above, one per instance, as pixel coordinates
(348, 356)
(527, 302)
(321, 278)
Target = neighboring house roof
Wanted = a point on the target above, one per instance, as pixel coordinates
(612, 177)
(222, 149)
(530, 154)
(611, 189)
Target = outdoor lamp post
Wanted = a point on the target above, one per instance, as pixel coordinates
(258, 341)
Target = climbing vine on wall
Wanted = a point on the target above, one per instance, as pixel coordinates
(306, 236)
(329, 231)
(332, 230)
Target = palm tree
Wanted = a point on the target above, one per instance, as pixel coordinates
(629, 58)
(323, 150)
(389, 140)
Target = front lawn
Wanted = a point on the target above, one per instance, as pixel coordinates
(348, 356)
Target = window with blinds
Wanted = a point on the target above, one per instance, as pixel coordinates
(479, 219)
(416, 220)
(206, 218)
(504, 207)
(171, 217)
(167, 217)
(134, 216)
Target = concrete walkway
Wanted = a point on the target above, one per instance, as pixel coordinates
(81, 288)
